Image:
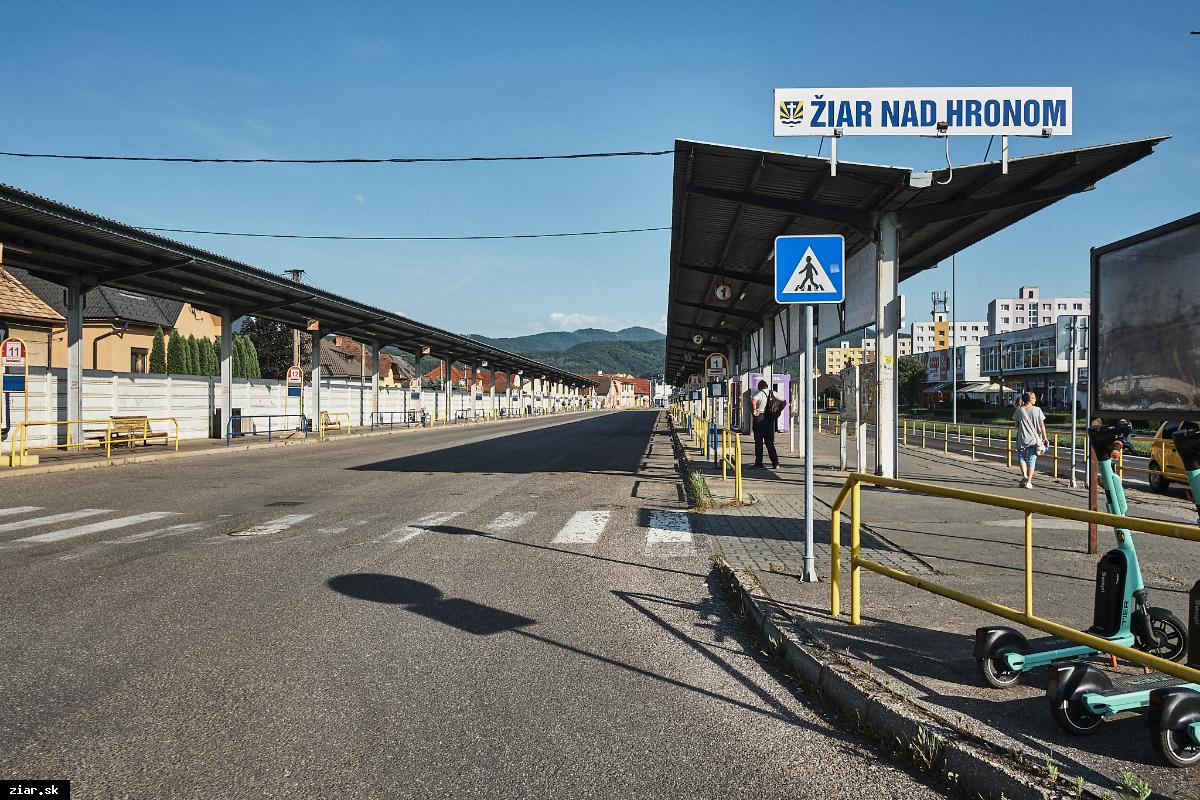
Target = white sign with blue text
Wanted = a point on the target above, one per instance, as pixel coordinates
(929, 111)
(810, 269)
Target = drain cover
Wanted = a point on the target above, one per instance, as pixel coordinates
(285, 503)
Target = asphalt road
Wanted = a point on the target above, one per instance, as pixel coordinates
(515, 610)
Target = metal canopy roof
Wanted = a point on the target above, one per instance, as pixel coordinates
(61, 244)
(731, 202)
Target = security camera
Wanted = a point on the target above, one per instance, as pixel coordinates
(942, 127)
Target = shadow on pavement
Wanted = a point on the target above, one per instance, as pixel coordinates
(613, 444)
(427, 600)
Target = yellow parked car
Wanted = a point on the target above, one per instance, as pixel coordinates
(1165, 465)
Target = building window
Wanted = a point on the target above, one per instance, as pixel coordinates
(1030, 294)
(1045, 306)
(1020, 320)
(1078, 306)
(1004, 320)
(1020, 306)
(139, 360)
(1045, 320)
(975, 328)
(1004, 306)
(1062, 306)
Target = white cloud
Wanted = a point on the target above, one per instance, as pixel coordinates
(358, 198)
(572, 321)
(661, 325)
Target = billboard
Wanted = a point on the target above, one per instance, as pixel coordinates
(1145, 325)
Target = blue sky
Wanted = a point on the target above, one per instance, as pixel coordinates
(402, 79)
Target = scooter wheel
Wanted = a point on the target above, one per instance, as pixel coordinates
(995, 673)
(1074, 717)
(1176, 747)
(1170, 636)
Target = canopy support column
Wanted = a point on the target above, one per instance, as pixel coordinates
(227, 320)
(887, 325)
(375, 381)
(316, 379)
(75, 296)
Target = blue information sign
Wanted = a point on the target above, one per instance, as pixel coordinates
(810, 269)
(14, 383)
(293, 391)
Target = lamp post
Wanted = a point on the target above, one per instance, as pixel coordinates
(954, 340)
(1000, 364)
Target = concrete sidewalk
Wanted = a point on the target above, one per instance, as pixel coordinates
(920, 644)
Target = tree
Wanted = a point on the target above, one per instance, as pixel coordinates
(214, 356)
(239, 358)
(176, 356)
(910, 374)
(273, 346)
(158, 353)
(253, 369)
(194, 351)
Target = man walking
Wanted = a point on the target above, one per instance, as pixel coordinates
(1030, 422)
(765, 415)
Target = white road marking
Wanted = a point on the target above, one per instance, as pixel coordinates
(277, 525)
(96, 527)
(509, 520)
(53, 518)
(417, 527)
(171, 530)
(668, 527)
(669, 535)
(584, 527)
(10, 512)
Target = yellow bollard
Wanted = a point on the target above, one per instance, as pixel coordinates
(972, 442)
(922, 435)
(835, 565)
(946, 441)
(1009, 450)
(1056, 455)
(1029, 563)
(855, 569)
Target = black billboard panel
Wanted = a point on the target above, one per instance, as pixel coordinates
(1145, 355)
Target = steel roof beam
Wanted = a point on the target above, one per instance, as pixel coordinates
(720, 310)
(732, 274)
(855, 218)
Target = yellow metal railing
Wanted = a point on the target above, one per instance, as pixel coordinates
(851, 491)
(332, 420)
(101, 437)
(731, 459)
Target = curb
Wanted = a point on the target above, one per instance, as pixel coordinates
(19, 472)
(971, 764)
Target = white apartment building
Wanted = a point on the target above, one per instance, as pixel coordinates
(1030, 310)
(929, 336)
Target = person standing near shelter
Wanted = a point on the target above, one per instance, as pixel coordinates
(766, 407)
(1030, 422)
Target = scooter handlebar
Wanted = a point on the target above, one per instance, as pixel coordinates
(1187, 444)
(1107, 439)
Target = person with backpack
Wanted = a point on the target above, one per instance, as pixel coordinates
(766, 407)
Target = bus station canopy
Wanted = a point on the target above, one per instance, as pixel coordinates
(729, 204)
(68, 246)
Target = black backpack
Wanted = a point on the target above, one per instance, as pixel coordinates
(775, 405)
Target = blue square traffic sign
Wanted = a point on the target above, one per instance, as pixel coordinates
(810, 269)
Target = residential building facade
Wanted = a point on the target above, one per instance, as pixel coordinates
(935, 334)
(845, 355)
(1029, 310)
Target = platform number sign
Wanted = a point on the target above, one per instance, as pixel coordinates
(295, 375)
(14, 353)
(810, 269)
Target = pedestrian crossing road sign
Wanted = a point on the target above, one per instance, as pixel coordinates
(810, 269)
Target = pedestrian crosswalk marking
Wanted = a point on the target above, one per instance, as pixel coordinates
(509, 520)
(277, 525)
(417, 527)
(170, 530)
(584, 527)
(669, 535)
(96, 527)
(668, 527)
(68, 516)
(9, 512)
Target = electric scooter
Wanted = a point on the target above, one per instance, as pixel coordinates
(1121, 612)
(1081, 694)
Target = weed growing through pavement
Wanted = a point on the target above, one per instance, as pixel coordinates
(1131, 784)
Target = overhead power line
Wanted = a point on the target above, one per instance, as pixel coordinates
(395, 160)
(406, 238)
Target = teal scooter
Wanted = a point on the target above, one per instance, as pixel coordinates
(1121, 613)
(1081, 695)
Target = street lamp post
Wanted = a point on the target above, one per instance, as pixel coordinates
(954, 340)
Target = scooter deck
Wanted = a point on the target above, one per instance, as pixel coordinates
(1129, 693)
(1051, 649)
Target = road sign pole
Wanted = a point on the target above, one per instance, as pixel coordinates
(810, 568)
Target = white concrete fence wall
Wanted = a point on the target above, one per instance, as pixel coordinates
(192, 400)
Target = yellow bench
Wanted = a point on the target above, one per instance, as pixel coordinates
(133, 429)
